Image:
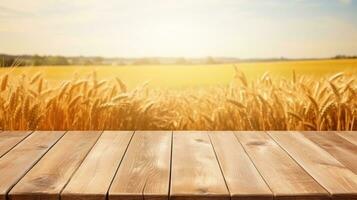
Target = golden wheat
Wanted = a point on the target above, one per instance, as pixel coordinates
(303, 103)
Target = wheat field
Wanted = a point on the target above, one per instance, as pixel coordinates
(266, 103)
(187, 76)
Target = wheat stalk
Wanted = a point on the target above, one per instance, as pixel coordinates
(304, 103)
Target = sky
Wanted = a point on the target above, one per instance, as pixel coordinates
(179, 28)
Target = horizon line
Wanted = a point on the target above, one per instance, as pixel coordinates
(185, 57)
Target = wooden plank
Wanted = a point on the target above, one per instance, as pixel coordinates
(351, 136)
(195, 172)
(330, 173)
(284, 176)
(8, 139)
(94, 176)
(341, 149)
(15, 164)
(145, 170)
(48, 177)
(242, 178)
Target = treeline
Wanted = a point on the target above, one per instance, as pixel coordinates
(26, 60)
(345, 57)
(36, 60)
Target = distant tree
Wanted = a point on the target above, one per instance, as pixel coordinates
(340, 57)
(88, 62)
(146, 61)
(182, 61)
(154, 61)
(345, 57)
(98, 60)
(210, 60)
(56, 60)
(77, 61)
(118, 62)
(141, 61)
(7, 61)
(37, 60)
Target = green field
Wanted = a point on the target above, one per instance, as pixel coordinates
(176, 76)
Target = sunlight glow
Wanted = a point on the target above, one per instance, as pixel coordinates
(236, 28)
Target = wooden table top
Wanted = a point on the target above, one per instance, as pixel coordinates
(179, 165)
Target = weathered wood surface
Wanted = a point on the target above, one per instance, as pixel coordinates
(350, 136)
(195, 172)
(283, 175)
(9, 139)
(160, 165)
(242, 177)
(337, 146)
(15, 164)
(94, 176)
(337, 178)
(48, 177)
(145, 170)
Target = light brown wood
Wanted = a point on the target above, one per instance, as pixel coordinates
(8, 139)
(338, 147)
(15, 164)
(48, 177)
(351, 136)
(323, 167)
(145, 169)
(195, 172)
(242, 178)
(205, 165)
(283, 175)
(94, 176)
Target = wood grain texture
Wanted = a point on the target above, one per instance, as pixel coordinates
(15, 164)
(351, 136)
(48, 177)
(94, 176)
(323, 167)
(242, 178)
(205, 165)
(338, 147)
(195, 172)
(284, 176)
(145, 169)
(8, 139)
